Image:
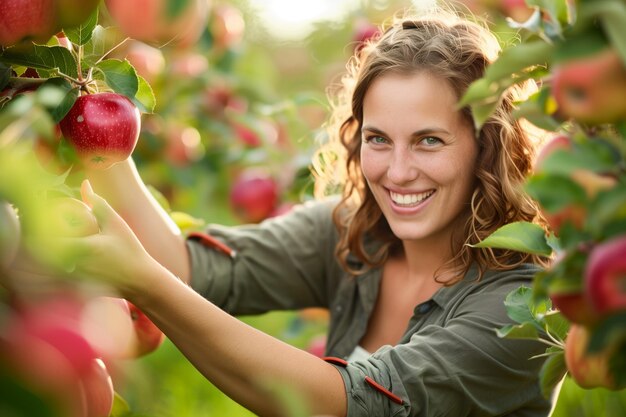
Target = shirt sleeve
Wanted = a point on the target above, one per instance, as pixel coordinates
(279, 264)
(459, 369)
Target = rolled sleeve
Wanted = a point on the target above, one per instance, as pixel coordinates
(283, 263)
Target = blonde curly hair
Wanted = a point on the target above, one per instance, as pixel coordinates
(458, 50)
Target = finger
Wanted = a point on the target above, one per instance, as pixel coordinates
(105, 214)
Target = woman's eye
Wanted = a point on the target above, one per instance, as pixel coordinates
(376, 140)
(430, 140)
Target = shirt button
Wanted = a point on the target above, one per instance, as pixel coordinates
(424, 307)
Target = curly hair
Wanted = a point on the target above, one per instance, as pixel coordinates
(457, 50)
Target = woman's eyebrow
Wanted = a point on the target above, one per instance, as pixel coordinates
(420, 132)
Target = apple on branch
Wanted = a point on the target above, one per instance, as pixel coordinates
(103, 129)
(605, 276)
(589, 370)
(26, 20)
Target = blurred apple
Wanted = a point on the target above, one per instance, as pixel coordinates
(317, 346)
(152, 21)
(254, 195)
(107, 324)
(188, 65)
(149, 336)
(9, 234)
(575, 306)
(183, 144)
(55, 320)
(97, 389)
(589, 370)
(43, 372)
(22, 20)
(147, 60)
(605, 275)
(227, 26)
(591, 89)
(363, 32)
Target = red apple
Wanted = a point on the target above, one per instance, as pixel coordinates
(189, 65)
(149, 336)
(605, 275)
(55, 319)
(150, 20)
(575, 306)
(588, 370)
(591, 89)
(9, 234)
(43, 372)
(103, 129)
(97, 388)
(22, 20)
(254, 195)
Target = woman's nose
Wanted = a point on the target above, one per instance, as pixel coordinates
(403, 167)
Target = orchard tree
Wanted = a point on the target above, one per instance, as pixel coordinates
(575, 52)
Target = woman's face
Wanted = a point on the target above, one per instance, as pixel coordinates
(418, 155)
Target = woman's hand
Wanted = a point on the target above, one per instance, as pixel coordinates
(114, 256)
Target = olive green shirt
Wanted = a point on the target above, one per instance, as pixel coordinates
(450, 362)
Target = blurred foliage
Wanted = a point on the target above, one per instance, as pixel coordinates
(214, 109)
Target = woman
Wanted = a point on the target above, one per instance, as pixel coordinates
(414, 307)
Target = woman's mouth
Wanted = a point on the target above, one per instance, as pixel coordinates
(410, 200)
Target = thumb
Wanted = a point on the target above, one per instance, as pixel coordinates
(105, 214)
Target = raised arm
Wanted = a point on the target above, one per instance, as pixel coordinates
(246, 364)
(125, 191)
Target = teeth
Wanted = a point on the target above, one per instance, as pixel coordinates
(409, 199)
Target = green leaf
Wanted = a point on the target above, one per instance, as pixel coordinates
(43, 57)
(58, 95)
(525, 330)
(176, 7)
(552, 373)
(80, 35)
(556, 324)
(5, 75)
(101, 42)
(609, 331)
(120, 406)
(607, 207)
(120, 76)
(518, 58)
(612, 15)
(518, 236)
(522, 307)
(555, 191)
(144, 99)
